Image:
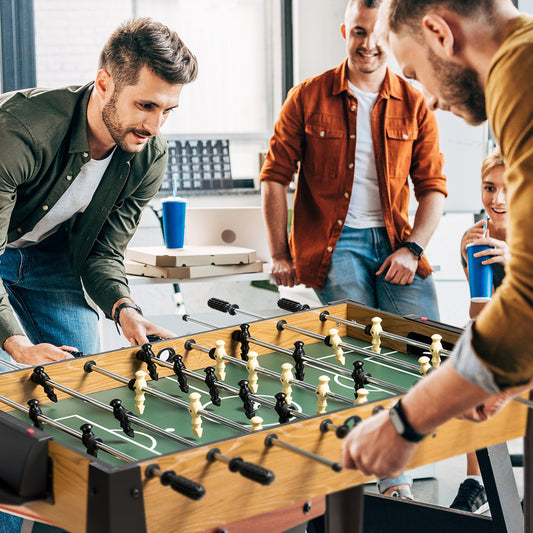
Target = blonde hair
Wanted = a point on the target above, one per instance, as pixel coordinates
(494, 159)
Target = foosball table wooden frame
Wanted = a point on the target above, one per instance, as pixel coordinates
(87, 495)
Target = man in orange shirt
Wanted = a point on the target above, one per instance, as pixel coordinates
(356, 133)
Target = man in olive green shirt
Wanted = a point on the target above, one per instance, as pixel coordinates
(475, 59)
(77, 166)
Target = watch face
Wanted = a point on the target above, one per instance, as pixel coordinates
(396, 421)
(415, 248)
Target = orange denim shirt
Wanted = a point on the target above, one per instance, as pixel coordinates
(315, 135)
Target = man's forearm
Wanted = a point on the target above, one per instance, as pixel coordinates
(275, 212)
(439, 397)
(427, 217)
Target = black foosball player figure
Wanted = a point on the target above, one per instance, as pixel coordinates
(122, 415)
(146, 355)
(298, 356)
(179, 366)
(89, 439)
(244, 395)
(283, 408)
(211, 382)
(360, 377)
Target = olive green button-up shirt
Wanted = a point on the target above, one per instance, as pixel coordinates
(43, 145)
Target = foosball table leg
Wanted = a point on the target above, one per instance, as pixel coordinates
(502, 492)
(344, 511)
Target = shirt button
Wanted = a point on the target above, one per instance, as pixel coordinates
(45, 208)
(352, 136)
(405, 136)
(339, 222)
(352, 108)
(322, 133)
(85, 154)
(69, 178)
(330, 249)
(346, 195)
(19, 230)
(350, 165)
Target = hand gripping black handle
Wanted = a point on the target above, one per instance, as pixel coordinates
(251, 471)
(291, 305)
(221, 305)
(181, 484)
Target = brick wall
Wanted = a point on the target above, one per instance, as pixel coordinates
(69, 36)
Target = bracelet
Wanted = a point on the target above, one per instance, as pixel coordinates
(116, 314)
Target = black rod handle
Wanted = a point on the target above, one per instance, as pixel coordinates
(251, 471)
(184, 486)
(291, 305)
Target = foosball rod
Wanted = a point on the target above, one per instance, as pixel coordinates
(272, 440)
(91, 366)
(324, 315)
(104, 407)
(271, 373)
(292, 306)
(337, 369)
(58, 425)
(222, 384)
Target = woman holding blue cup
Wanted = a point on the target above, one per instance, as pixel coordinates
(483, 247)
(486, 240)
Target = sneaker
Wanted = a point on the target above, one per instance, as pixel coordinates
(403, 494)
(471, 497)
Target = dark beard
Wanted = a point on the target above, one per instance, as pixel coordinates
(460, 88)
(112, 123)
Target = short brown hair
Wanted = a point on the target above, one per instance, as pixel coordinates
(143, 42)
(407, 14)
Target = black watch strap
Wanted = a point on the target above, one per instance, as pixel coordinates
(414, 248)
(118, 309)
(402, 425)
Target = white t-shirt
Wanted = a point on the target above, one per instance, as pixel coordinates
(365, 208)
(74, 200)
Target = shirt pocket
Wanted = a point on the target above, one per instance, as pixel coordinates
(323, 147)
(400, 142)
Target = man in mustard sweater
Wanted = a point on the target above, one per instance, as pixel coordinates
(474, 58)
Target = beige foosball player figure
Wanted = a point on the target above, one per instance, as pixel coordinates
(139, 387)
(220, 353)
(435, 350)
(362, 396)
(194, 407)
(251, 366)
(257, 423)
(321, 392)
(286, 377)
(335, 341)
(424, 364)
(376, 331)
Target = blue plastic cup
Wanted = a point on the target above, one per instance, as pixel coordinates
(174, 221)
(480, 276)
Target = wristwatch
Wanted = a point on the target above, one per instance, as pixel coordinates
(116, 314)
(414, 248)
(401, 424)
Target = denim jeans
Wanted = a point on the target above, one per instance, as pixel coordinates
(51, 307)
(46, 296)
(357, 257)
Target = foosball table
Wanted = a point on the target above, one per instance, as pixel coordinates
(194, 433)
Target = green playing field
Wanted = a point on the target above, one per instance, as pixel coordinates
(177, 420)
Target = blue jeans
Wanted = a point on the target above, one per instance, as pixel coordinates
(51, 307)
(357, 257)
(46, 296)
